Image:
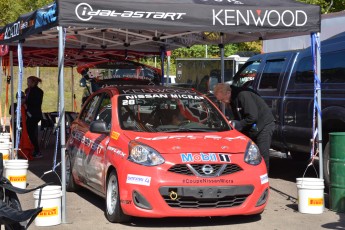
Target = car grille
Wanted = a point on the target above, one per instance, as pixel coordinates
(205, 197)
(196, 169)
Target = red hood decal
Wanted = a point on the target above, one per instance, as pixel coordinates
(226, 142)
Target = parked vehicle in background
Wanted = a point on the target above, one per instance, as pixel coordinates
(99, 74)
(286, 81)
(204, 73)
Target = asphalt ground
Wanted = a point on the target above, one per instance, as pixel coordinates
(85, 210)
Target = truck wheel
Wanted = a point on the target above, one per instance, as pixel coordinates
(114, 211)
(326, 177)
(299, 156)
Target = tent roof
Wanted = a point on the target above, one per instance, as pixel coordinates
(149, 26)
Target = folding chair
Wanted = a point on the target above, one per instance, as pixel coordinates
(11, 214)
(47, 126)
(51, 128)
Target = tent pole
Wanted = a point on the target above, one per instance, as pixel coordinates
(38, 73)
(162, 62)
(19, 99)
(72, 98)
(12, 100)
(221, 47)
(62, 123)
(318, 93)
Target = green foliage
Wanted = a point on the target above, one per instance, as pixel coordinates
(11, 9)
(326, 7)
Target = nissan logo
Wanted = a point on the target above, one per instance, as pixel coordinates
(207, 169)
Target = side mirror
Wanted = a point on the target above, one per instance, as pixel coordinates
(82, 82)
(99, 127)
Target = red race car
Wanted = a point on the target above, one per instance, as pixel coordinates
(155, 151)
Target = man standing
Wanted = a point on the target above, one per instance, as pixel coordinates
(252, 115)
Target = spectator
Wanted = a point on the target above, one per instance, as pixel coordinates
(252, 115)
(34, 98)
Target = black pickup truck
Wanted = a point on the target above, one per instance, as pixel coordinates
(285, 80)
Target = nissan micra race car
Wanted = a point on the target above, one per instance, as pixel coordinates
(155, 151)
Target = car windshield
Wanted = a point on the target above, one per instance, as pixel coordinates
(169, 113)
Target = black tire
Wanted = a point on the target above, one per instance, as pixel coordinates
(71, 186)
(113, 208)
(299, 156)
(326, 156)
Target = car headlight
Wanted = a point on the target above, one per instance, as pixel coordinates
(252, 155)
(144, 155)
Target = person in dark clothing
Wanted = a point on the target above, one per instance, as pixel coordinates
(251, 115)
(33, 105)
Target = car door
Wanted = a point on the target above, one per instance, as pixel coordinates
(271, 87)
(93, 145)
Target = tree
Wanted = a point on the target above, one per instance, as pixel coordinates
(327, 6)
(10, 10)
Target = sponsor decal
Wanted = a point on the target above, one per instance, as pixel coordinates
(189, 157)
(5, 156)
(192, 137)
(259, 18)
(158, 91)
(79, 137)
(264, 179)
(207, 180)
(183, 96)
(49, 212)
(137, 179)
(17, 178)
(12, 31)
(224, 157)
(202, 157)
(115, 135)
(85, 12)
(219, 2)
(315, 201)
(116, 151)
(125, 201)
(235, 138)
(46, 17)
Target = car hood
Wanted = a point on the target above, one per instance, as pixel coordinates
(231, 141)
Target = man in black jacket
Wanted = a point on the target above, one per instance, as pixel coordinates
(252, 115)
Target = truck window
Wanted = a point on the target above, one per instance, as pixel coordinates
(333, 69)
(246, 75)
(271, 73)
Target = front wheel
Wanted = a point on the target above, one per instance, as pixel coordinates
(114, 211)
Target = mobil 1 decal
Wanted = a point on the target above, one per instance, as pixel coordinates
(205, 157)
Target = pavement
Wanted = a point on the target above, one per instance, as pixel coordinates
(85, 210)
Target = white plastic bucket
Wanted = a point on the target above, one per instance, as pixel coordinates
(5, 135)
(51, 204)
(16, 172)
(310, 195)
(5, 153)
(5, 139)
